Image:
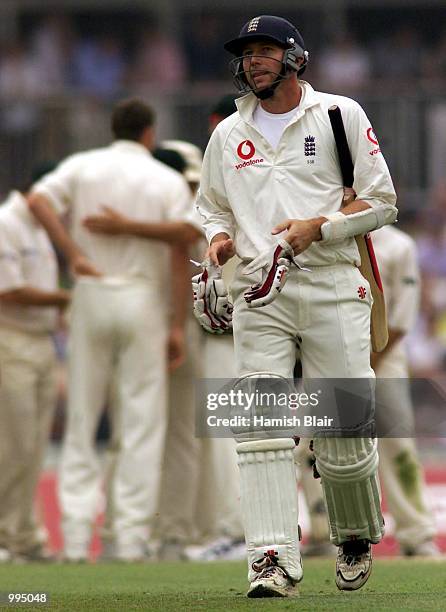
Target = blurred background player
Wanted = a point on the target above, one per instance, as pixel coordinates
(121, 337)
(174, 526)
(218, 504)
(200, 503)
(30, 304)
(176, 516)
(224, 107)
(400, 470)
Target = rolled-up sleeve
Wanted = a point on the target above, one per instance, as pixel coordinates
(212, 204)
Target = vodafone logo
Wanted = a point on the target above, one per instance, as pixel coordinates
(373, 139)
(246, 150)
(372, 136)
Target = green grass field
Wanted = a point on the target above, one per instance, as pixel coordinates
(394, 585)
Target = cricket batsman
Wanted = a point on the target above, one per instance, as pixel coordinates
(271, 192)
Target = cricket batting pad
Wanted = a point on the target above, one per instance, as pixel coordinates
(268, 490)
(349, 474)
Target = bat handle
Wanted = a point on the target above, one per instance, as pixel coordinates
(349, 196)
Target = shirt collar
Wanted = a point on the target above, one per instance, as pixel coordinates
(248, 103)
(130, 146)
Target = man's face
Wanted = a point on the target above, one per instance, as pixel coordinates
(262, 63)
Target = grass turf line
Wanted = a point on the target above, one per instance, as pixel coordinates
(409, 585)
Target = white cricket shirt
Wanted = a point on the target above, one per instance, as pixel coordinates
(396, 255)
(398, 266)
(27, 259)
(247, 187)
(127, 178)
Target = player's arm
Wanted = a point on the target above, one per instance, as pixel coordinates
(373, 192)
(112, 222)
(403, 298)
(32, 296)
(41, 208)
(181, 299)
(13, 286)
(212, 204)
(302, 233)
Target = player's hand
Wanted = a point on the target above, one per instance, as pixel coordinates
(274, 276)
(301, 234)
(220, 252)
(81, 266)
(176, 348)
(109, 222)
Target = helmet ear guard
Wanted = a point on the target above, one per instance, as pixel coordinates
(290, 63)
(291, 57)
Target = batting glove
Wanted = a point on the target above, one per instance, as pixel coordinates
(212, 307)
(266, 291)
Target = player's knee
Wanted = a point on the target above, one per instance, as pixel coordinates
(343, 459)
(259, 412)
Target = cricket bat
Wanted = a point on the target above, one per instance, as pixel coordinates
(369, 266)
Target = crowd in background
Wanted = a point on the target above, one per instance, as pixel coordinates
(55, 56)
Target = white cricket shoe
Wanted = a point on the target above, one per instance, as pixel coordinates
(353, 564)
(271, 580)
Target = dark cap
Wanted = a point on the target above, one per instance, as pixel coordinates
(225, 106)
(276, 29)
(171, 158)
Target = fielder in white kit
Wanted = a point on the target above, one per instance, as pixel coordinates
(272, 168)
(207, 485)
(29, 302)
(400, 470)
(121, 337)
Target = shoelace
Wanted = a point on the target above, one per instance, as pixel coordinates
(351, 559)
(270, 571)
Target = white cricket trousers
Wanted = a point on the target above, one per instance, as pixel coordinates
(117, 350)
(218, 506)
(27, 402)
(181, 465)
(200, 480)
(400, 470)
(322, 310)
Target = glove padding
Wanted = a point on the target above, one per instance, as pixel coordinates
(212, 307)
(266, 291)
